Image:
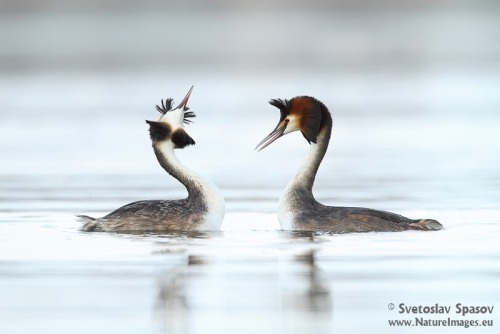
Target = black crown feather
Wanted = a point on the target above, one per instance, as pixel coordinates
(283, 105)
(167, 105)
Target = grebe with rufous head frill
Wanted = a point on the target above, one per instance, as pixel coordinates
(297, 208)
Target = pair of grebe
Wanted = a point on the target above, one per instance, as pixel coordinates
(204, 208)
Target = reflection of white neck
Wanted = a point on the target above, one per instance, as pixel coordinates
(199, 189)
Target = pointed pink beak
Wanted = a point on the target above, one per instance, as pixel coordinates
(185, 100)
(277, 133)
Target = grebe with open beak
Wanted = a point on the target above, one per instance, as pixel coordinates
(202, 210)
(298, 209)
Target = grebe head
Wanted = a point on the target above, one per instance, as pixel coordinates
(300, 113)
(170, 126)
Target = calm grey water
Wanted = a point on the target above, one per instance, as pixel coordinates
(419, 136)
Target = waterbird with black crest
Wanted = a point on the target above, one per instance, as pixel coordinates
(202, 210)
(297, 208)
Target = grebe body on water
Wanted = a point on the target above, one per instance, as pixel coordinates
(298, 209)
(202, 210)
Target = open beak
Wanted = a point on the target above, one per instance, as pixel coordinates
(278, 132)
(185, 100)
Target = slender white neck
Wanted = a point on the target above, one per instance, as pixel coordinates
(298, 193)
(306, 174)
(307, 171)
(197, 186)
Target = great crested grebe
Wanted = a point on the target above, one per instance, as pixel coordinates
(202, 210)
(298, 209)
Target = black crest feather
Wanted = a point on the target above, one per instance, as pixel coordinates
(158, 131)
(167, 105)
(187, 116)
(181, 139)
(283, 105)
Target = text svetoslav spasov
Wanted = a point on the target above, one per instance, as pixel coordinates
(438, 309)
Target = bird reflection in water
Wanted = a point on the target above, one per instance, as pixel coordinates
(231, 293)
(317, 298)
(173, 307)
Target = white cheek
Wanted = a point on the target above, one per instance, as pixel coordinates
(293, 125)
